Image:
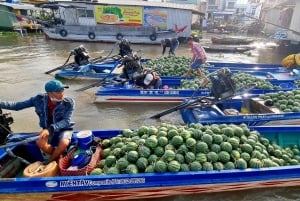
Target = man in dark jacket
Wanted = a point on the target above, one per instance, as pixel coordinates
(125, 48)
(172, 43)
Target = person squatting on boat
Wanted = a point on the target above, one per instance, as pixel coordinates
(131, 65)
(54, 111)
(125, 47)
(148, 80)
(172, 43)
(198, 57)
(81, 56)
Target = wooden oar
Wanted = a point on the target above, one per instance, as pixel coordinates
(204, 101)
(178, 107)
(98, 83)
(19, 139)
(66, 64)
(59, 67)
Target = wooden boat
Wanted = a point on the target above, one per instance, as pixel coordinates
(232, 40)
(228, 49)
(15, 157)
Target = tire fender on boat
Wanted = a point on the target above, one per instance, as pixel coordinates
(119, 36)
(92, 35)
(152, 37)
(63, 33)
(38, 169)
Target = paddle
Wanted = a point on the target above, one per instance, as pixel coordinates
(19, 139)
(98, 83)
(70, 64)
(204, 101)
(60, 67)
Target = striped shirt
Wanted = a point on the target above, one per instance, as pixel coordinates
(198, 52)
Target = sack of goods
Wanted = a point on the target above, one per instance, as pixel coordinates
(291, 60)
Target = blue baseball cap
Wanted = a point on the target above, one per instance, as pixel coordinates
(55, 86)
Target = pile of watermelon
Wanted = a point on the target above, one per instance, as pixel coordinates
(194, 147)
(286, 101)
(241, 80)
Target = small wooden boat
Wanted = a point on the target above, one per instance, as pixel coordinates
(232, 40)
(276, 165)
(228, 49)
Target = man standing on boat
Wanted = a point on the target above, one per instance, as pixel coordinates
(172, 43)
(199, 57)
(54, 112)
(125, 48)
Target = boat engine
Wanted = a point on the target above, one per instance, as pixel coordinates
(5, 121)
(222, 84)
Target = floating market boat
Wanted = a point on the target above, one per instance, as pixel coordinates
(176, 90)
(251, 111)
(269, 158)
(106, 68)
(107, 21)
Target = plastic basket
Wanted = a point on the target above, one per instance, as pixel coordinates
(64, 164)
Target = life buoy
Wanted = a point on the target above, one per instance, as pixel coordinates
(152, 37)
(92, 35)
(38, 169)
(63, 33)
(119, 36)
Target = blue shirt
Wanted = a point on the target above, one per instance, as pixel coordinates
(61, 115)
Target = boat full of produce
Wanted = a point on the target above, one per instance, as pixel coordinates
(176, 90)
(168, 159)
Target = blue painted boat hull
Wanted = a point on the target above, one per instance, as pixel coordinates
(90, 71)
(155, 185)
(218, 113)
(260, 70)
(127, 94)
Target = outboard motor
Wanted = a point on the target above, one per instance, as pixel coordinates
(81, 56)
(5, 121)
(222, 84)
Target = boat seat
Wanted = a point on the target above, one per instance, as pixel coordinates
(231, 111)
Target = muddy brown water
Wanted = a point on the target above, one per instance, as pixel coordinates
(24, 60)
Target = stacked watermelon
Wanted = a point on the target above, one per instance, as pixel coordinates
(194, 147)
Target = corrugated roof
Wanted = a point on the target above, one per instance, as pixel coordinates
(20, 6)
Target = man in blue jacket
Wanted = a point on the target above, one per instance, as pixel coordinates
(54, 112)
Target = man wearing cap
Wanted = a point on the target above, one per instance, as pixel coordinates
(54, 112)
(149, 80)
(172, 43)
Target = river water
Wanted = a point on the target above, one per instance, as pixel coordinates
(24, 61)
